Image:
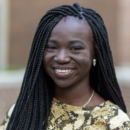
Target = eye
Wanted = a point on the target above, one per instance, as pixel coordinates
(76, 48)
(50, 47)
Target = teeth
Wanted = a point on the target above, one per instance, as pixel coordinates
(63, 71)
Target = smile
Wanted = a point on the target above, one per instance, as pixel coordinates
(63, 73)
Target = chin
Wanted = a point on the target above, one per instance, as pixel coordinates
(62, 85)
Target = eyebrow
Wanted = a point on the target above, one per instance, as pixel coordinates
(71, 42)
(76, 41)
(53, 41)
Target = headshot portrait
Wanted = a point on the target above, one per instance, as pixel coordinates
(70, 81)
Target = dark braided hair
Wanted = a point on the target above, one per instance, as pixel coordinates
(33, 106)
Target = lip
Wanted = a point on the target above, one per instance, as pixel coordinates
(63, 74)
(62, 67)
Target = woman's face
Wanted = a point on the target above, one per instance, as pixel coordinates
(69, 52)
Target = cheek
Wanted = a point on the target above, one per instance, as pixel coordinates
(85, 61)
(47, 57)
(86, 64)
(86, 57)
(46, 62)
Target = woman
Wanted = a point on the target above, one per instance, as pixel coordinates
(70, 80)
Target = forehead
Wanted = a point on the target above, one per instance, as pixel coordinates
(72, 26)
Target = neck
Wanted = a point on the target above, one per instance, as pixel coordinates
(73, 95)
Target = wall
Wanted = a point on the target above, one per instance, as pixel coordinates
(123, 33)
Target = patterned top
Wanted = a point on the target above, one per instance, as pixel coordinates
(105, 116)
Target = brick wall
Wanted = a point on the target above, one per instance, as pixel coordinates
(123, 39)
(8, 97)
(126, 95)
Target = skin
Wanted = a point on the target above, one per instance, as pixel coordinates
(70, 46)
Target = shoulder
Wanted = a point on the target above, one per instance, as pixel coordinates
(112, 115)
(119, 120)
(7, 118)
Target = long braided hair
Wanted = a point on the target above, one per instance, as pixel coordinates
(33, 106)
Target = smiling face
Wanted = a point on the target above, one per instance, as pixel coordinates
(69, 53)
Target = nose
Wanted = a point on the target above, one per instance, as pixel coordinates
(62, 57)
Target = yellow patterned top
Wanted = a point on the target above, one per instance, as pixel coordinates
(105, 116)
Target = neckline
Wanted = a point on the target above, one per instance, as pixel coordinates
(80, 107)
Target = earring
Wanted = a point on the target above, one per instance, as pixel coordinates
(94, 62)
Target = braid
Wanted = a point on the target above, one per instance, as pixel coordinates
(33, 106)
(109, 82)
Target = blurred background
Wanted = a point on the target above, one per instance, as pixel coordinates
(18, 22)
